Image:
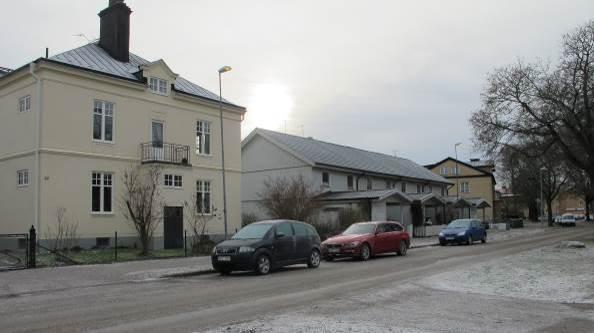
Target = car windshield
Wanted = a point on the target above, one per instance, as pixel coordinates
(360, 229)
(568, 217)
(253, 231)
(459, 224)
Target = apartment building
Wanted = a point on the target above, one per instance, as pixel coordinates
(73, 123)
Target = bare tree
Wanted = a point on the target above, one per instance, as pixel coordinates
(549, 104)
(581, 185)
(141, 202)
(288, 198)
(197, 220)
(64, 234)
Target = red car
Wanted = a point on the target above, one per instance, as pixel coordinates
(366, 239)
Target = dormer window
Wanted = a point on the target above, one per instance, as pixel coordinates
(158, 86)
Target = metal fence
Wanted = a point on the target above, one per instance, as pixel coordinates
(14, 251)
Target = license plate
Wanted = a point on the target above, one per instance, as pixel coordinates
(449, 238)
(333, 250)
(224, 258)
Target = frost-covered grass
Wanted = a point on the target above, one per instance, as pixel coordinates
(549, 274)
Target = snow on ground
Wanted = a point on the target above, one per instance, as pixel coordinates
(549, 274)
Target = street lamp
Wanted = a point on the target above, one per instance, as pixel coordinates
(541, 196)
(457, 172)
(222, 70)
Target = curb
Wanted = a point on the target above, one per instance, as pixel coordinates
(424, 245)
(190, 273)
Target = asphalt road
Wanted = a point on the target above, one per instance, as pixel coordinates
(208, 301)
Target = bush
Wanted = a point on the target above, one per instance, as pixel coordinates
(348, 216)
(248, 218)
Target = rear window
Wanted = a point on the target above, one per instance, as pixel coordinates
(311, 230)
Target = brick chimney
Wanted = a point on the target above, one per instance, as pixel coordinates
(115, 30)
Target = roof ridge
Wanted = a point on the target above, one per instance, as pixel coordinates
(336, 144)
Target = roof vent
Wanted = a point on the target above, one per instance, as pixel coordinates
(115, 30)
(475, 159)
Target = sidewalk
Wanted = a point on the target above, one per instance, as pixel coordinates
(57, 278)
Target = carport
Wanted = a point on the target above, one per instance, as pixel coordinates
(467, 207)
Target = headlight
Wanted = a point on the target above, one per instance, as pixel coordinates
(441, 234)
(214, 250)
(462, 233)
(352, 244)
(246, 249)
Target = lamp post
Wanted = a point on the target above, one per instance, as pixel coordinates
(541, 212)
(222, 70)
(457, 172)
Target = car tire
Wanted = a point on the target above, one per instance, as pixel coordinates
(484, 240)
(314, 259)
(365, 252)
(403, 248)
(263, 265)
(469, 241)
(442, 243)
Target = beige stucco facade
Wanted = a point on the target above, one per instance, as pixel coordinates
(480, 183)
(66, 155)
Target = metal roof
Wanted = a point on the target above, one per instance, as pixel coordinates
(329, 154)
(93, 57)
(362, 195)
(4, 71)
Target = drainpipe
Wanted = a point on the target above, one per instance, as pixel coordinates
(32, 68)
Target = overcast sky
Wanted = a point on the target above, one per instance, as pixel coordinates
(389, 76)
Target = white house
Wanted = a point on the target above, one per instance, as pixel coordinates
(385, 187)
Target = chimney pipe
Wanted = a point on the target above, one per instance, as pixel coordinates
(115, 30)
(46, 52)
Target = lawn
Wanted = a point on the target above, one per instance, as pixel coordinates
(104, 256)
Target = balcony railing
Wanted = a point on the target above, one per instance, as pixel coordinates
(162, 152)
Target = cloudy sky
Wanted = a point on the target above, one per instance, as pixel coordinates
(385, 75)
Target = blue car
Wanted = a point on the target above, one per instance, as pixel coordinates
(463, 231)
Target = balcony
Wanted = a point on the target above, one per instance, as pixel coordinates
(162, 152)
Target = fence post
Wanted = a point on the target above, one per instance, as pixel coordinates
(116, 246)
(32, 247)
(185, 243)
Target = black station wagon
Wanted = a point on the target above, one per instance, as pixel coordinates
(264, 245)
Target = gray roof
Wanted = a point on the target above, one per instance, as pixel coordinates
(361, 195)
(329, 154)
(93, 57)
(4, 71)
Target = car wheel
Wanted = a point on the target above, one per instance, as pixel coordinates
(484, 240)
(442, 243)
(469, 241)
(365, 252)
(263, 264)
(314, 259)
(403, 248)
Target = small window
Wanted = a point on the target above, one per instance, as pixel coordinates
(168, 180)
(101, 192)
(23, 178)
(158, 86)
(203, 197)
(444, 170)
(102, 242)
(403, 187)
(369, 183)
(464, 187)
(202, 137)
(177, 181)
(350, 182)
(25, 104)
(325, 178)
(174, 181)
(103, 121)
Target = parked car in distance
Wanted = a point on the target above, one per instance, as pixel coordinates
(366, 239)
(567, 220)
(463, 231)
(265, 245)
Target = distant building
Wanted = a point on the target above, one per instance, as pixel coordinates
(72, 124)
(383, 186)
(473, 181)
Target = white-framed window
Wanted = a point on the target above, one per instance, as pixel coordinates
(23, 178)
(158, 86)
(369, 183)
(464, 187)
(403, 187)
(350, 182)
(444, 170)
(174, 181)
(202, 137)
(203, 196)
(456, 171)
(103, 121)
(325, 178)
(101, 192)
(25, 103)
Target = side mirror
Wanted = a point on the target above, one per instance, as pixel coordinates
(280, 235)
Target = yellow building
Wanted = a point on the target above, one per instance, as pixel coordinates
(70, 125)
(473, 181)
